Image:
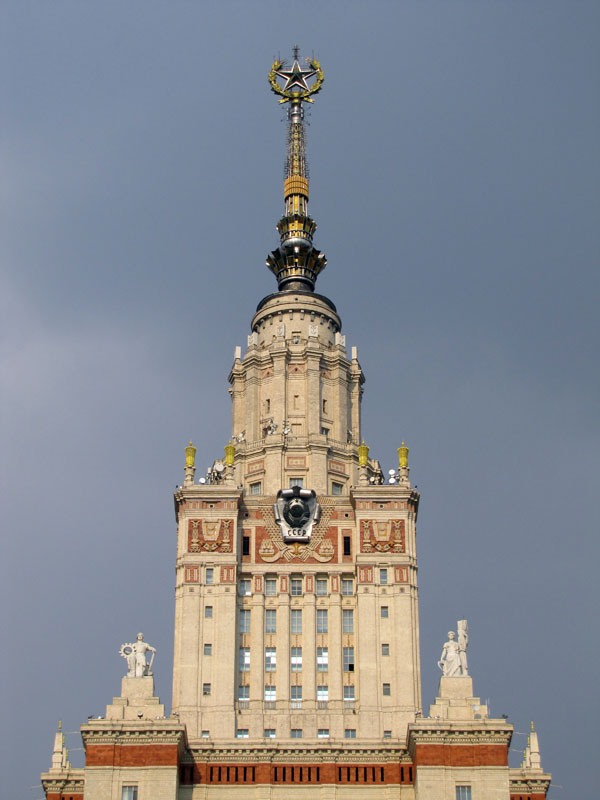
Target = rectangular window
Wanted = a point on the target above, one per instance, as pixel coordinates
(270, 587)
(348, 654)
(296, 659)
(347, 620)
(296, 620)
(347, 546)
(270, 694)
(324, 431)
(296, 696)
(321, 585)
(244, 619)
(463, 793)
(241, 733)
(350, 733)
(323, 733)
(387, 691)
(129, 793)
(385, 612)
(243, 692)
(296, 482)
(322, 659)
(337, 488)
(269, 733)
(208, 649)
(349, 694)
(296, 587)
(347, 586)
(322, 694)
(296, 733)
(270, 659)
(245, 545)
(208, 612)
(256, 488)
(387, 734)
(244, 587)
(385, 649)
(205, 734)
(322, 621)
(383, 577)
(209, 576)
(270, 620)
(206, 689)
(244, 659)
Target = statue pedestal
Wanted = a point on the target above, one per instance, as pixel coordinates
(137, 701)
(455, 700)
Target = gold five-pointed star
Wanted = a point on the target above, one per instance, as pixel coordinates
(296, 76)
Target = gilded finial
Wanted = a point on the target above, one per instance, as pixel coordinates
(229, 454)
(532, 726)
(403, 455)
(190, 455)
(363, 455)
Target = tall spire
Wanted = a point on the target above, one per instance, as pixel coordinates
(296, 263)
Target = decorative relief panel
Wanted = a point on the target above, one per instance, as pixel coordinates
(365, 574)
(296, 462)
(256, 466)
(321, 548)
(401, 574)
(335, 583)
(192, 574)
(209, 535)
(309, 583)
(383, 535)
(337, 466)
(228, 574)
(258, 584)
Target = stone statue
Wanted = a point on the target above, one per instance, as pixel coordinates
(449, 661)
(463, 643)
(135, 655)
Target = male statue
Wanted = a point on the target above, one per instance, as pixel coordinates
(135, 654)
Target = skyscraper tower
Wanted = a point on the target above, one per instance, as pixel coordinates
(296, 662)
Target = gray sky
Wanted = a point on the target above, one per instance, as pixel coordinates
(454, 176)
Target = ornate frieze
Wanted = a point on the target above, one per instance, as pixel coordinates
(383, 535)
(209, 535)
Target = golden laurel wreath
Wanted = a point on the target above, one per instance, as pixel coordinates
(300, 94)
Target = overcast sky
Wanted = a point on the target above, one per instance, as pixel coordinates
(454, 176)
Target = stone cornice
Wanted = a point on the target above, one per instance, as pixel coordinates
(115, 732)
(284, 754)
(460, 733)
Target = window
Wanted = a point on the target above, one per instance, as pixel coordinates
(270, 694)
(241, 733)
(383, 577)
(322, 659)
(463, 793)
(256, 488)
(296, 733)
(244, 587)
(350, 733)
(347, 586)
(270, 587)
(387, 691)
(322, 622)
(205, 734)
(269, 733)
(209, 576)
(347, 546)
(206, 689)
(347, 620)
(323, 733)
(131, 793)
(324, 431)
(348, 654)
(208, 612)
(296, 482)
(208, 649)
(349, 694)
(296, 587)
(296, 659)
(324, 406)
(244, 659)
(243, 692)
(321, 585)
(322, 694)
(296, 696)
(296, 620)
(270, 620)
(387, 734)
(244, 618)
(385, 649)
(270, 659)
(245, 545)
(385, 612)
(337, 488)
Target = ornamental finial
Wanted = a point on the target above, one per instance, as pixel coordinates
(296, 263)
